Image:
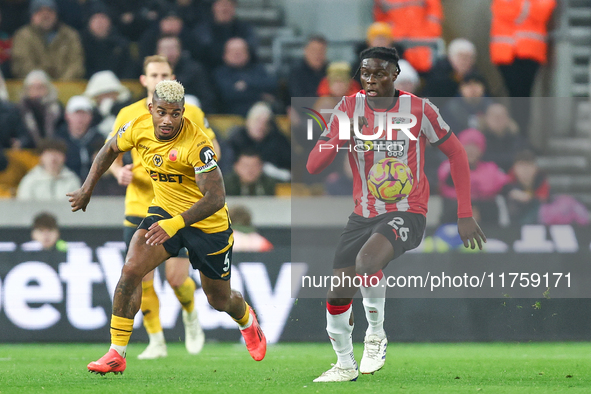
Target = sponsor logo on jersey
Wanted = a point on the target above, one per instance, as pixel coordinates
(393, 148)
(173, 155)
(157, 160)
(160, 177)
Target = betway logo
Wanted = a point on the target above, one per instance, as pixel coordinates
(35, 282)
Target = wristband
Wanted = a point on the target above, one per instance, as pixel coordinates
(171, 226)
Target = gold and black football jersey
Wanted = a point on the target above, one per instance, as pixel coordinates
(172, 164)
(139, 193)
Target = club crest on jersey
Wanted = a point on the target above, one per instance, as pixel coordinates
(123, 128)
(157, 160)
(173, 155)
(394, 148)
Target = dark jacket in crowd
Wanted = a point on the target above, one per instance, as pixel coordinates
(238, 101)
(264, 186)
(210, 39)
(111, 53)
(81, 151)
(11, 125)
(197, 81)
(304, 81)
(274, 148)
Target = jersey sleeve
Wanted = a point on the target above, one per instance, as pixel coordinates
(125, 140)
(332, 131)
(203, 158)
(120, 121)
(433, 127)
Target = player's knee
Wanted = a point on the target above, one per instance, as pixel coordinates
(175, 282)
(132, 272)
(367, 264)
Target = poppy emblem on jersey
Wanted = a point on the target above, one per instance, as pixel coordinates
(157, 159)
(173, 155)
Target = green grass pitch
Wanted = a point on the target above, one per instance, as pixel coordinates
(287, 368)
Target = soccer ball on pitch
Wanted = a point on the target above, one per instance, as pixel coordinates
(390, 180)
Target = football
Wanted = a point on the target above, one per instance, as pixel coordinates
(390, 180)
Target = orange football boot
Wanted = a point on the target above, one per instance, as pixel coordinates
(110, 362)
(256, 343)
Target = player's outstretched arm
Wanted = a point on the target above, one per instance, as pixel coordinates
(79, 199)
(468, 229)
(211, 185)
(326, 149)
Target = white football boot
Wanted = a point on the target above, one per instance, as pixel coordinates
(338, 374)
(374, 354)
(194, 336)
(156, 348)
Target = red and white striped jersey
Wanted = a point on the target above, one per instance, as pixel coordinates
(363, 154)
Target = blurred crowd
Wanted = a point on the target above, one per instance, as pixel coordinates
(214, 54)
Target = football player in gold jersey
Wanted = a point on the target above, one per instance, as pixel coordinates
(138, 196)
(188, 210)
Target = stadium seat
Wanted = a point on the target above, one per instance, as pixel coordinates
(221, 124)
(67, 89)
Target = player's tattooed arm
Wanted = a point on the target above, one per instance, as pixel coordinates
(79, 199)
(211, 185)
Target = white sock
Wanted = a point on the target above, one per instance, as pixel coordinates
(248, 324)
(157, 338)
(374, 301)
(339, 331)
(122, 350)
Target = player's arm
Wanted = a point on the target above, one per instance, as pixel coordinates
(79, 199)
(211, 185)
(326, 149)
(122, 173)
(468, 229)
(328, 143)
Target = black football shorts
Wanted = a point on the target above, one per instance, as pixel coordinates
(128, 232)
(209, 253)
(404, 230)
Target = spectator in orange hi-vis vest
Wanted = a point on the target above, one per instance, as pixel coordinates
(518, 42)
(412, 20)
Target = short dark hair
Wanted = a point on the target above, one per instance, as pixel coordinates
(383, 53)
(525, 155)
(240, 215)
(474, 76)
(52, 144)
(249, 152)
(46, 221)
(318, 38)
